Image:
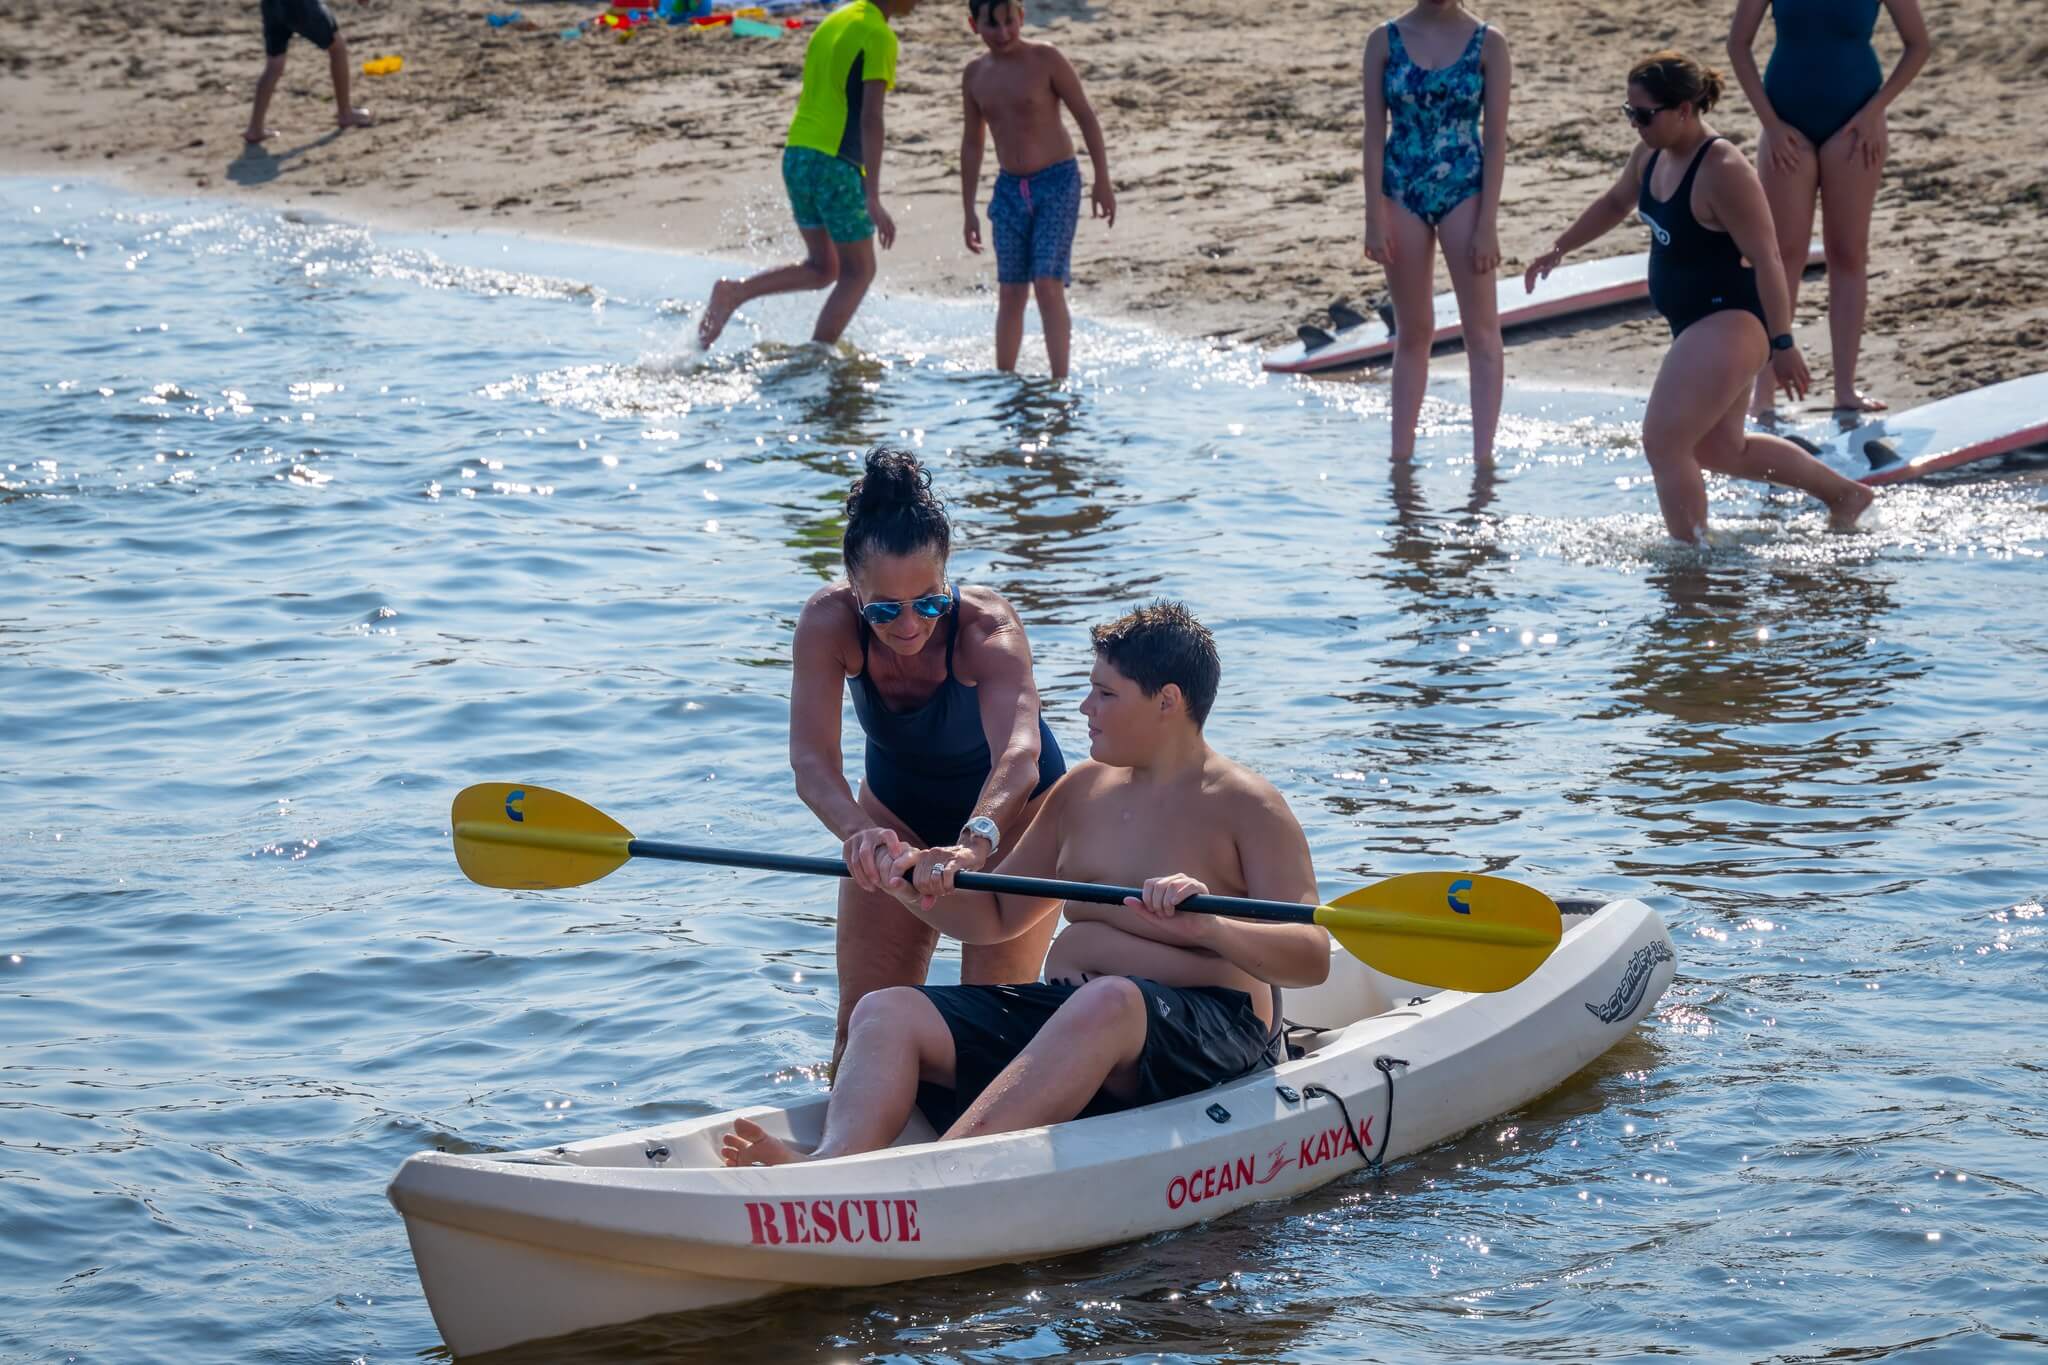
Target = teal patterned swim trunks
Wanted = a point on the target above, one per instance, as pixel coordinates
(825, 192)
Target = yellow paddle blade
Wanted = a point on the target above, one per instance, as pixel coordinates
(1462, 932)
(524, 837)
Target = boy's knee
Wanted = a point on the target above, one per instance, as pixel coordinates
(1106, 1002)
(891, 1009)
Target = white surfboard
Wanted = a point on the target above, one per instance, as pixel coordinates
(1978, 425)
(1567, 290)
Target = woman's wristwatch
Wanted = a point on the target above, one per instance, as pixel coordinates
(987, 829)
(1783, 342)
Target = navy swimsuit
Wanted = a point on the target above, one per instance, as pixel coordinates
(929, 764)
(1695, 270)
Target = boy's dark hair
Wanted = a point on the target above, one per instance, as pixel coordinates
(975, 7)
(1160, 644)
(893, 510)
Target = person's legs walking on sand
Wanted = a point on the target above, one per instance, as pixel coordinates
(266, 86)
(346, 115)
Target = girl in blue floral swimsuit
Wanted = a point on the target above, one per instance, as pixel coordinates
(1432, 78)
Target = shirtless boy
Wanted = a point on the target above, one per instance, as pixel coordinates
(1139, 1003)
(1015, 92)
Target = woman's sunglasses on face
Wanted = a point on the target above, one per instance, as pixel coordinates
(1641, 117)
(931, 606)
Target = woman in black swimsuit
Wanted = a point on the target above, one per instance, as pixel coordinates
(1708, 221)
(957, 753)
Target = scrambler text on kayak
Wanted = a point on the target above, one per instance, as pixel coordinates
(1237, 1173)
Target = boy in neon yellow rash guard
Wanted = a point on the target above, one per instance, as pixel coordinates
(832, 169)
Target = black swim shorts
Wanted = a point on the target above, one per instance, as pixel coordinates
(309, 19)
(1195, 1037)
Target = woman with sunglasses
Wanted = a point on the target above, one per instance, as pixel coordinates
(1708, 221)
(957, 753)
(1822, 101)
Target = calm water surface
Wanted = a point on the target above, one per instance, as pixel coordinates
(305, 527)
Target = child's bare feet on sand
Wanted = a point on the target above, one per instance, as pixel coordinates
(355, 118)
(1859, 402)
(724, 298)
(749, 1144)
(1844, 511)
(254, 136)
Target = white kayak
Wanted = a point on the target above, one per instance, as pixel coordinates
(525, 1245)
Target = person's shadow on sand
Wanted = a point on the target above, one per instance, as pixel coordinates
(258, 165)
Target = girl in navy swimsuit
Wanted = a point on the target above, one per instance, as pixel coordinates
(1430, 176)
(1822, 103)
(957, 753)
(1707, 220)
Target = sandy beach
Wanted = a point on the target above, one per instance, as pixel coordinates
(1233, 133)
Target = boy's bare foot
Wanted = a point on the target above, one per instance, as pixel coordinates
(253, 136)
(355, 118)
(724, 298)
(1844, 511)
(1859, 402)
(749, 1144)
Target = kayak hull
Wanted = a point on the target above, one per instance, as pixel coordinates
(518, 1246)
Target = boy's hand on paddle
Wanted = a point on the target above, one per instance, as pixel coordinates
(970, 232)
(869, 854)
(885, 226)
(1789, 369)
(1161, 900)
(1102, 202)
(1540, 268)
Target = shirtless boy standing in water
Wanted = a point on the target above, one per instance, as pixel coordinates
(1139, 1003)
(1015, 92)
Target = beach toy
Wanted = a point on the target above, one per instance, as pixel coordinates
(754, 28)
(568, 33)
(501, 20)
(382, 66)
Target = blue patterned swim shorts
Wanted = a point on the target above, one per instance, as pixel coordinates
(1034, 217)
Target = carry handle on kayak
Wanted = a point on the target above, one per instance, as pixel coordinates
(1456, 930)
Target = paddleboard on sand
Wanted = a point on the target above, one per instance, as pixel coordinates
(1977, 425)
(1567, 290)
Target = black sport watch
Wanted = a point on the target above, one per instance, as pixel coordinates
(1783, 342)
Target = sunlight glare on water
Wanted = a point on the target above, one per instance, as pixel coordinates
(307, 527)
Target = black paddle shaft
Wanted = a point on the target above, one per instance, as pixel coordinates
(1279, 912)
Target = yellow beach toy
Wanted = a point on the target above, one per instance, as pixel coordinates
(383, 66)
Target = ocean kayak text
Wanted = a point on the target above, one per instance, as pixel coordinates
(1235, 1174)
